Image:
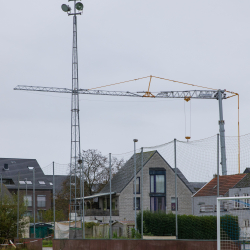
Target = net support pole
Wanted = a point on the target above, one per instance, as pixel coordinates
(142, 193)
(176, 211)
(34, 203)
(110, 199)
(1, 189)
(83, 219)
(135, 140)
(218, 165)
(222, 134)
(218, 224)
(18, 193)
(54, 202)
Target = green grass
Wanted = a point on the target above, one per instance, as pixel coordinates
(47, 243)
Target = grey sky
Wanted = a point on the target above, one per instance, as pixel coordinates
(200, 42)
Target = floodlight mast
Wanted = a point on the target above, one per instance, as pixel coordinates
(75, 152)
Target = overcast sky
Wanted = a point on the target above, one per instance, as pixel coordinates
(199, 42)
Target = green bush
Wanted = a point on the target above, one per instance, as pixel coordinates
(189, 226)
(91, 224)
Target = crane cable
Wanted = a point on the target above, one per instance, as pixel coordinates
(149, 94)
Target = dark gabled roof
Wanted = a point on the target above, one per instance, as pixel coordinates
(226, 182)
(5, 192)
(197, 185)
(19, 167)
(245, 182)
(59, 179)
(184, 180)
(126, 173)
(247, 170)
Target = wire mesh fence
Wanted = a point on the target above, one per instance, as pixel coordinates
(175, 185)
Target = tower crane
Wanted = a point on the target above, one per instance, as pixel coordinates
(195, 94)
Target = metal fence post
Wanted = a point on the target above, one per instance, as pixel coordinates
(34, 203)
(110, 198)
(142, 193)
(83, 221)
(176, 203)
(135, 140)
(54, 201)
(18, 206)
(1, 189)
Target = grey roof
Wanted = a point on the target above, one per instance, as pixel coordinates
(247, 170)
(59, 179)
(245, 182)
(197, 185)
(18, 167)
(184, 180)
(126, 173)
(5, 192)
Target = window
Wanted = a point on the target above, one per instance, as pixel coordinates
(40, 214)
(246, 223)
(28, 213)
(137, 203)
(236, 202)
(8, 182)
(41, 182)
(28, 182)
(174, 204)
(137, 185)
(41, 200)
(157, 203)
(22, 182)
(157, 189)
(51, 184)
(157, 183)
(246, 202)
(27, 200)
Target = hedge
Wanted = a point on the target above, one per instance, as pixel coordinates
(189, 226)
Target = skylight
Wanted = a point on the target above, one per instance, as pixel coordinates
(28, 182)
(21, 182)
(51, 184)
(41, 182)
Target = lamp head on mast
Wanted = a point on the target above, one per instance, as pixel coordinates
(78, 6)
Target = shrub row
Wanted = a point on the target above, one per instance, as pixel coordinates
(189, 226)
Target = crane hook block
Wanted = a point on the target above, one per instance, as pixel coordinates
(187, 98)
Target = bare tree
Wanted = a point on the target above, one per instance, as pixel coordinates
(96, 169)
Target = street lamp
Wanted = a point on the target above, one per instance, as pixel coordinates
(34, 214)
(135, 140)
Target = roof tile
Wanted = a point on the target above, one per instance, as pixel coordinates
(226, 182)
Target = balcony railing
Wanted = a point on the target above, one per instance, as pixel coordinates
(100, 212)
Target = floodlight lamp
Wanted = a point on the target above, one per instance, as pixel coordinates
(65, 8)
(79, 6)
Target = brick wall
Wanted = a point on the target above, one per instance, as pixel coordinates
(134, 244)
